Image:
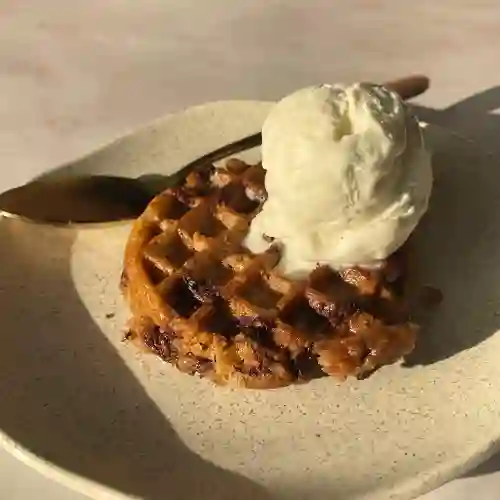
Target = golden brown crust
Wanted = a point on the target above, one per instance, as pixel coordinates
(203, 302)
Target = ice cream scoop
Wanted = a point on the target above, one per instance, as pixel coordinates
(347, 175)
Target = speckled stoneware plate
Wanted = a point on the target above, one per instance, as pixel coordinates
(88, 410)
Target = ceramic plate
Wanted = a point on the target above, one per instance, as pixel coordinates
(88, 410)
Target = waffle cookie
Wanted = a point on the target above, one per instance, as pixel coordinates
(203, 302)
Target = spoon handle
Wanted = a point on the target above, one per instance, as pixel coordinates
(410, 86)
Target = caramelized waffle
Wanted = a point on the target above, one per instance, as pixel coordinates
(202, 301)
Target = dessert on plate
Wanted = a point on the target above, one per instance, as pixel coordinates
(265, 275)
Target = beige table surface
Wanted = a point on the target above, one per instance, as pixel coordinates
(76, 73)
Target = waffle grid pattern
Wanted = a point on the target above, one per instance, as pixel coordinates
(228, 309)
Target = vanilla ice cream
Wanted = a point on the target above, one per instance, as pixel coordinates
(347, 176)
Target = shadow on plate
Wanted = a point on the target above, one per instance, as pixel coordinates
(458, 242)
(477, 117)
(489, 467)
(67, 395)
(463, 220)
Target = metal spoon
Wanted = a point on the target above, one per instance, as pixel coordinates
(99, 198)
